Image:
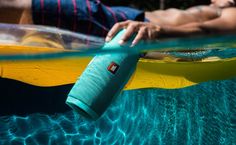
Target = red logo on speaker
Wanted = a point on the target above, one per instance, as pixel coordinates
(113, 67)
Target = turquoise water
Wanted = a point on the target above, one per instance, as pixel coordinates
(201, 114)
(80, 45)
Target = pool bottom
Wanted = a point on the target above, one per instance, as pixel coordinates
(201, 114)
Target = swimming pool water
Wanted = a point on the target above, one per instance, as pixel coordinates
(200, 114)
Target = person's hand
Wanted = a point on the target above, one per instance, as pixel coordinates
(144, 31)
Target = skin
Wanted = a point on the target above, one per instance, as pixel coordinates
(223, 3)
(219, 16)
(18, 11)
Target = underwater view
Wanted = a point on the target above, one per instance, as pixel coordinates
(185, 96)
(201, 114)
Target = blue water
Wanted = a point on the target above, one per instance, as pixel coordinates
(80, 45)
(201, 114)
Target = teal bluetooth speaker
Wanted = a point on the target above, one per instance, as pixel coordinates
(103, 79)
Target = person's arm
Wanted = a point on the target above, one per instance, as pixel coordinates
(225, 23)
(17, 4)
(15, 11)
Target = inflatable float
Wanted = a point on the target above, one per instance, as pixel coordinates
(24, 57)
(47, 57)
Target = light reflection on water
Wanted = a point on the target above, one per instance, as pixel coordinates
(201, 114)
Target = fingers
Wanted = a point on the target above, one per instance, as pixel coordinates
(143, 30)
(116, 28)
(131, 29)
(142, 34)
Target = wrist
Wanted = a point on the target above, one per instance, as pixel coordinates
(160, 30)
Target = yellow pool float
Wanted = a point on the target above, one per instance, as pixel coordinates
(149, 73)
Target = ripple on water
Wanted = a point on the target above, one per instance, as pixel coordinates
(201, 114)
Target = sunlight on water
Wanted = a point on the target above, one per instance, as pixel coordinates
(39, 42)
(201, 114)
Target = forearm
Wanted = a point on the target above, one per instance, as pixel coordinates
(17, 4)
(15, 11)
(224, 24)
(183, 30)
